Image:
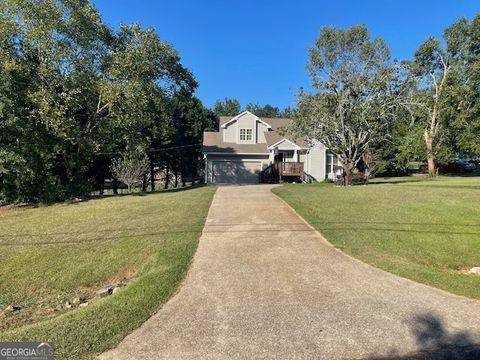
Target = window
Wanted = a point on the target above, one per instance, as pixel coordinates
(332, 162)
(246, 134)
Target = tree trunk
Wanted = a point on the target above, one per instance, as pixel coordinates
(431, 166)
(182, 170)
(348, 177)
(167, 177)
(152, 173)
(77, 172)
(430, 155)
(144, 183)
(348, 173)
(102, 186)
(366, 176)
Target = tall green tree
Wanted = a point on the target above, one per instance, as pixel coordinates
(267, 110)
(356, 94)
(87, 88)
(227, 107)
(446, 97)
(189, 120)
(430, 70)
(288, 112)
(463, 94)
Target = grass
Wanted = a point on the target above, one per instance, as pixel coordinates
(52, 254)
(424, 230)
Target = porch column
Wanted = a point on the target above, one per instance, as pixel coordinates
(271, 156)
(295, 155)
(206, 168)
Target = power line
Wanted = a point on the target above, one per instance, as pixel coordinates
(153, 150)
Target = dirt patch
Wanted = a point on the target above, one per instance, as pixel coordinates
(472, 271)
(43, 304)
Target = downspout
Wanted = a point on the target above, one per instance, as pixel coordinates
(310, 161)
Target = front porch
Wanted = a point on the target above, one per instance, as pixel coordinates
(290, 168)
(280, 171)
(287, 163)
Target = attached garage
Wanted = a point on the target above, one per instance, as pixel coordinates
(236, 172)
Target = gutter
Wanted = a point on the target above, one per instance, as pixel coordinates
(233, 153)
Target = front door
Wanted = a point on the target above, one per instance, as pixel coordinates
(279, 158)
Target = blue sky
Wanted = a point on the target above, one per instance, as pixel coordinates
(256, 50)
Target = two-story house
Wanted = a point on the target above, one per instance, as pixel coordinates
(249, 149)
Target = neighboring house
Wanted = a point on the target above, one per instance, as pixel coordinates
(249, 149)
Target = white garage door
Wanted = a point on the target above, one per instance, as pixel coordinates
(236, 172)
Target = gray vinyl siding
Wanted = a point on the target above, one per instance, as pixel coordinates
(286, 145)
(316, 163)
(230, 133)
(302, 158)
(246, 121)
(261, 129)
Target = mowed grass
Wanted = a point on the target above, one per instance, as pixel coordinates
(53, 254)
(424, 230)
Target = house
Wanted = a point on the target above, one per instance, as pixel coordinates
(249, 149)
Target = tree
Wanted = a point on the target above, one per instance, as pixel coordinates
(430, 70)
(71, 86)
(462, 98)
(267, 110)
(289, 113)
(26, 144)
(370, 160)
(227, 107)
(189, 120)
(130, 169)
(356, 94)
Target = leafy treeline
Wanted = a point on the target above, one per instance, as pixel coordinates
(232, 107)
(373, 111)
(72, 87)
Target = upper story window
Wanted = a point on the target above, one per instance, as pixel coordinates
(246, 134)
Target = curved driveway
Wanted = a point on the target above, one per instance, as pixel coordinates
(264, 285)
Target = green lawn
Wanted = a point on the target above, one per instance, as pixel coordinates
(424, 230)
(53, 254)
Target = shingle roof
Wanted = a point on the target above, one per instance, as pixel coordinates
(273, 137)
(275, 123)
(213, 140)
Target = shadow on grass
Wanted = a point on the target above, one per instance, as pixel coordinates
(8, 207)
(436, 343)
(464, 174)
(393, 182)
(147, 193)
(397, 179)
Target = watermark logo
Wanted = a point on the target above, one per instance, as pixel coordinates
(26, 351)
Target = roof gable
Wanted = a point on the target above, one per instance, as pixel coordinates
(271, 147)
(246, 112)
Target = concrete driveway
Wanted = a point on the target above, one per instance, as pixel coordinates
(264, 285)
